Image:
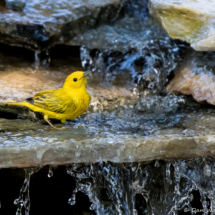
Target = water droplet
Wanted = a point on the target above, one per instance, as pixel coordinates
(92, 207)
(50, 173)
(72, 200)
(157, 164)
(15, 201)
(207, 170)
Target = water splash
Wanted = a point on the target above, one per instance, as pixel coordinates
(160, 104)
(149, 65)
(72, 200)
(36, 60)
(167, 186)
(149, 62)
(119, 195)
(50, 173)
(177, 178)
(24, 196)
(41, 59)
(145, 70)
(168, 173)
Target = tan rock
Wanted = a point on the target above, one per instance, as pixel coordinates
(193, 78)
(192, 21)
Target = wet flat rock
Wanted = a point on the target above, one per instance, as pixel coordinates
(40, 24)
(191, 21)
(91, 142)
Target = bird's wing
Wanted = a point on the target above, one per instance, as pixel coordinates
(43, 93)
(54, 100)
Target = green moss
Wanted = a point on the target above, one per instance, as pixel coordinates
(182, 23)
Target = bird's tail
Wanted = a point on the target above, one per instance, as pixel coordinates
(34, 108)
(14, 103)
(26, 104)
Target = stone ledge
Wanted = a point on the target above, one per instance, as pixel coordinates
(37, 145)
(121, 149)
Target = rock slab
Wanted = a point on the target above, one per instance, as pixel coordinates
(107, 139)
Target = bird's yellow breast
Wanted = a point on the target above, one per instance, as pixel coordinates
(81, 100)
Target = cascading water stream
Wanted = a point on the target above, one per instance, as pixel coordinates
(24, 196)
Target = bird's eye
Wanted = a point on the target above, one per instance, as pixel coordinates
(75, 79)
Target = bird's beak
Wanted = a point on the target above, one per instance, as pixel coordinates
(86, 73)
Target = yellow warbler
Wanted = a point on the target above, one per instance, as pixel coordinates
(66, 103)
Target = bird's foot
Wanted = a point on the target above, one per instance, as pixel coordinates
(53, 127)
(63, 128)
(58, 129)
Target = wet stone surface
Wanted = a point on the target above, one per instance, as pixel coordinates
(120, 136)
(39, 25)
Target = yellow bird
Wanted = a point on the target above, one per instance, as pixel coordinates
(66, 103)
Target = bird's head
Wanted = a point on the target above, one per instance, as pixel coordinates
(76, 80)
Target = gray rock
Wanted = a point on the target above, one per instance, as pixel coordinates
(40, 25)
(125, 34)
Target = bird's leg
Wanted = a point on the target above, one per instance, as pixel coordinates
(51, 124)
(46, 118)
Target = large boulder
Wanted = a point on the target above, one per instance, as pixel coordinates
(39, 25)
(192, 21)
(124, 35)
